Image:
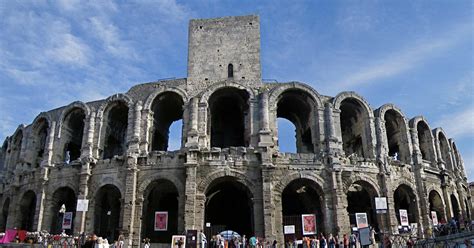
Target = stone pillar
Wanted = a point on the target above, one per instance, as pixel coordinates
(204, 139)
(48, 155)
(268, 205)
(39, 211)
(137, 227)
(190, 192)
(128, 218)
(83, 194)
(447, 201)
(193, 138)
(441, 162)
(339, 203)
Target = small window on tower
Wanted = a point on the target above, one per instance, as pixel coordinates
(230, 71)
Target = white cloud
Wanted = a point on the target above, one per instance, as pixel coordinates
(109, 35)
(69, 49)
(401, 61)
(458, 124)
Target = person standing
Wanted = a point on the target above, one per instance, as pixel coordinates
(253, 242)
(202, 239)
(331, 241)
(244, 241)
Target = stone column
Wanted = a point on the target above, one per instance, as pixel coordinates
(83, 194)
(447, 201)
(39, 211)
(128, 218)
(48, 155)
(339, 203)
(193, 139)
(268, 204)
(190, 197)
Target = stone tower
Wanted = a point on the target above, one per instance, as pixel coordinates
(223, 48)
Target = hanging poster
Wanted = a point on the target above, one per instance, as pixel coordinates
(404, 217)
(309, 224)
(178, 241)
(434, 218)
(361, 220)
(67, 220)
(161, 221)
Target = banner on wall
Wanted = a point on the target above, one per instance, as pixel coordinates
(434, 218)
(67, 220)
(309, 224)
(361, 220)
(404, 217)
(161, 221)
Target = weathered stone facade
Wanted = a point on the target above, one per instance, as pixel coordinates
(114, 153)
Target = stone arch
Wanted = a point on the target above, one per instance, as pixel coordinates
(39, 136)
(107, 209)
(149, 179)
(405, 197)
(62, 195)
(71, 132)
(456, 155)
(161, 90)
(27, 207)
(355, 124)
(5, 213)
(436, 203)
(106, 104)
(337, 100)
(161, 194)
(164, 109)
(16, 144)
(444, 148)
(360, 194)
(107, 181)
(395, 128)
(285, 181)
(114, 114)
(300, 105)
(204, 185)
(362, 178)
(280, 88)
(68, 108)
(425, 137)
(220, 85)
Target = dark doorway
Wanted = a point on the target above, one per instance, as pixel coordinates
(167, 108)
(160, 196)
(361, 199)
(71, 134)
(116, 130)
(436, 204)
(302, 196)
(353, 119)
(404, 198)
(228, 115)
(5, 208)
(455, 207)
(27, 210)
(107, 212)
(229, 206)
(62, 196)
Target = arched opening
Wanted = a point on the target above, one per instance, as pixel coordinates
(107, 212)
(3, 223)
(160, 196)
(3, 155)
(298, 107)
(15, 150)
(302, 196)
(444, 147)
(436, 204)
(405, 198)
(229, 206)
(71, 135)
(396, 136)
(455, 207)
(115, 130)
(354, 125)
(424, 140)
(62, 196)
(27, 211)
(361, 199)
(468, 209)
(229, 115)
(230, 71)
(40, 133)
(456, 157)
(286, 135)
(167, 110)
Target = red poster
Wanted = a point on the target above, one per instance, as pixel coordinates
(309, 224)
(161, 221)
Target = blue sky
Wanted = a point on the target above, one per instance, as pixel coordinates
(415, 54)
